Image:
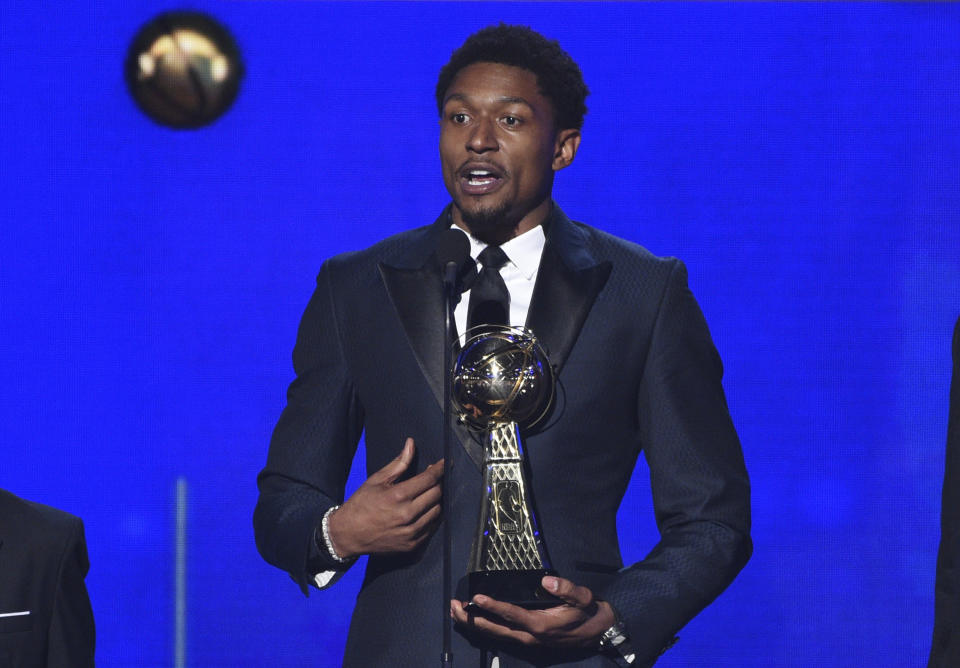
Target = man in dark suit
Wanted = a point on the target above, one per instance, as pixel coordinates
(45, 615)
(635, 362)
(945, 651)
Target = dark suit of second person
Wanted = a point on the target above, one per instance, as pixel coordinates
(45, 614)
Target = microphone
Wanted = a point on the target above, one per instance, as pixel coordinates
(453, 252)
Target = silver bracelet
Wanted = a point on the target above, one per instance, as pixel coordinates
(325, 530)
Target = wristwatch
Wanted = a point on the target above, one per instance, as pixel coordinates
(614, 642)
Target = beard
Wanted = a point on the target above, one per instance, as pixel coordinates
(493, 225)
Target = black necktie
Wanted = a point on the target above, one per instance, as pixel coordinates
(489, 299)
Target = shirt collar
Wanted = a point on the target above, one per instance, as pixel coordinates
(523, 251)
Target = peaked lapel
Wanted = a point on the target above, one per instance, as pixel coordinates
(416, 292)
(568, 282)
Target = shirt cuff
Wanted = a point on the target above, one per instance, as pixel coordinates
(324, 579)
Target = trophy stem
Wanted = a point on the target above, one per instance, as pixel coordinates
(508, 558)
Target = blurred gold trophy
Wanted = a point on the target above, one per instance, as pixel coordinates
(503, 381)
(183, 69)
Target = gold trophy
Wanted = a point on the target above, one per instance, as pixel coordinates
(503, 381)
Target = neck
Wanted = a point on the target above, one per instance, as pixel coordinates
(500, 233)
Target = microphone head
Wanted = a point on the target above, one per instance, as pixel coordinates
(453, 246)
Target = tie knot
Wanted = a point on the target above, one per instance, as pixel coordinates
(492, 257)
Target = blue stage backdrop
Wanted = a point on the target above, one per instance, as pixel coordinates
(803, 159)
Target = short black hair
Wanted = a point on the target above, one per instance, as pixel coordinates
(558, 76)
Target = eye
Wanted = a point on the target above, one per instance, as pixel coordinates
(459, 118)
(511, 121)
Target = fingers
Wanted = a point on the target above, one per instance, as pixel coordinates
(503, 620)
(569, 593)
(425, 524)
(421, 514)
(579, 603)
(423, 501)
(395, 468)
(515, 616)
(384, 515)
(417, 484)
(465, 616)
(423, 482)
(460, 615)
(576, 622)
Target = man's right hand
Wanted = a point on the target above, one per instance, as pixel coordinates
(387, 516)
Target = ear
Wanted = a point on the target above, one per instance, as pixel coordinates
(565, 148)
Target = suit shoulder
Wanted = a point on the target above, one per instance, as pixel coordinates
(609, 246)
(37, 521)
(387, 250)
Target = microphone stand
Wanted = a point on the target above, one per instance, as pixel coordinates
(449, 293)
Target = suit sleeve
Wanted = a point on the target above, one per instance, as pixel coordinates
(72, 635)
(312, 445)
(701, 492)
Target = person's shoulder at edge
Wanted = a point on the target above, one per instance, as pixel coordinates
(34, 517)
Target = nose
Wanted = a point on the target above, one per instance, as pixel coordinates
(482, 137)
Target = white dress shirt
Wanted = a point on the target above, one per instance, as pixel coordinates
(519, 273)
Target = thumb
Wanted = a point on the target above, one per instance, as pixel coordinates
(568, 592)
(395, 468)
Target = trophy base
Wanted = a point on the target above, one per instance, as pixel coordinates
(520, 588)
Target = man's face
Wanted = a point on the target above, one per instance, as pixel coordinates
(499, 149)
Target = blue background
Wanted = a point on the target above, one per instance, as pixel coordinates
(801, 158)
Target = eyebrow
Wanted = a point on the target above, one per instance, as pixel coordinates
(508, 99)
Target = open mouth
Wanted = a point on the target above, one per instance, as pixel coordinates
(480, 180)
(480, 177)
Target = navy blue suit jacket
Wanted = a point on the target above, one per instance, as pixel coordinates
(638, 372)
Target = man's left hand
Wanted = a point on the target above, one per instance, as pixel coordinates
(578, 622)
